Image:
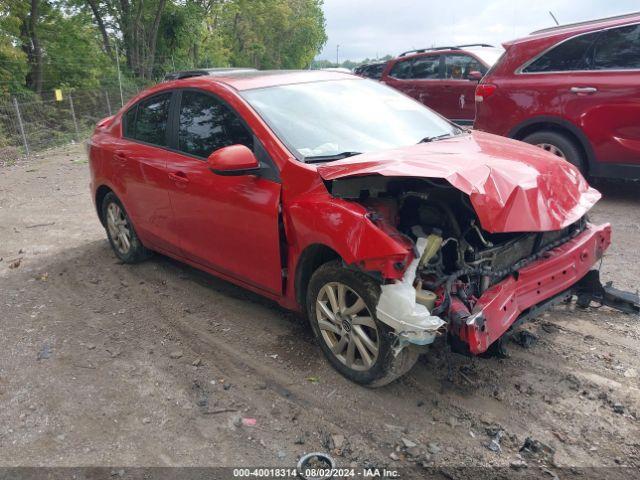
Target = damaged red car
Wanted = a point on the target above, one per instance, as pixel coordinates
(387, 225)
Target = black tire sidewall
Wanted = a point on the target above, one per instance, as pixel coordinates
(137, 252)
(369, 291)
(565, 144)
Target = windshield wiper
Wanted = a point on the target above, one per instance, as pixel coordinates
(330, 158)
(437, 137)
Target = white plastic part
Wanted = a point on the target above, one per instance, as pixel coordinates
(397, 307)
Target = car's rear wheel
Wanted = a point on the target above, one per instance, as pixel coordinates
(559, 145)
(122, 236)
(341, 305)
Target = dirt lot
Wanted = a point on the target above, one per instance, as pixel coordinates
(160, 365)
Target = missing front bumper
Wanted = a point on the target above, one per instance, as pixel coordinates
(534, 288)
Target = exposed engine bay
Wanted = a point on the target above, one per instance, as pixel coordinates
(457, 260)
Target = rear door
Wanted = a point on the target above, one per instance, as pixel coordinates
(226, 223)
(604, 100)
(458, 91)
(141, 158)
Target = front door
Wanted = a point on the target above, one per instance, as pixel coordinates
(458, 90)
(227, 223)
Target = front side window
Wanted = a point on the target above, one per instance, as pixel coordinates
(458, 67)
(206, 124)
(401, 70)
(147, 121)
(618, 49)
(569, 55)
(328, 118)
(426, 67)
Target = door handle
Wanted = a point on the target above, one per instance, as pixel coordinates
(121, 157)
(583, 90)
(179, 177)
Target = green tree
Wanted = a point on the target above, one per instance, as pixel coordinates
(274, 33)
(13, 60)
(45, 44)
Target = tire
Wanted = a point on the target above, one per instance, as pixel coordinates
(560, 145)
(344, 333)
(119, 228)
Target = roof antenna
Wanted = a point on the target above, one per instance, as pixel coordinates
(554, 18)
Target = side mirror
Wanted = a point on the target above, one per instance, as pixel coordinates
(233, 160)
(474, 76)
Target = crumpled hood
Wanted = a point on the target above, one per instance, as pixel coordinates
(513, 187)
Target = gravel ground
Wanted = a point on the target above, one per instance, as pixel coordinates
(105, 364)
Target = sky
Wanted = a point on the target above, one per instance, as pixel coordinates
(372, 28)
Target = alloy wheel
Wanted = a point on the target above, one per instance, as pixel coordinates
(118, 227)
(551, 149)
(347, 326)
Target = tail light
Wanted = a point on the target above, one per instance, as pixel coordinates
(484, 90)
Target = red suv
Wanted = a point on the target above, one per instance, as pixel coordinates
(443, 78)
(573, 90)
(342, 198)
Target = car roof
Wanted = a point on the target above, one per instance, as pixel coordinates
(205, 71)
(579, 27)
(252, 79)
(420, 51)
(474, 48)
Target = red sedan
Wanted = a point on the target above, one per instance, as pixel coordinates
(342, 198)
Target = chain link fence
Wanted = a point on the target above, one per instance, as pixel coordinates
(28, 127)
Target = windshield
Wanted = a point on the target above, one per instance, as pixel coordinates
(345, 117)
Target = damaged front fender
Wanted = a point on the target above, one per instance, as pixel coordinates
(367, 243)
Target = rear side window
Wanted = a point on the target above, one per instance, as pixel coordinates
(569, 55)
(427, 67)
(147, 121)
(458, 67)
(206, 124)
(401, 69)
(618, 49)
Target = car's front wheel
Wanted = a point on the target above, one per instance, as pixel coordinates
(122, 236)
(341, 305)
